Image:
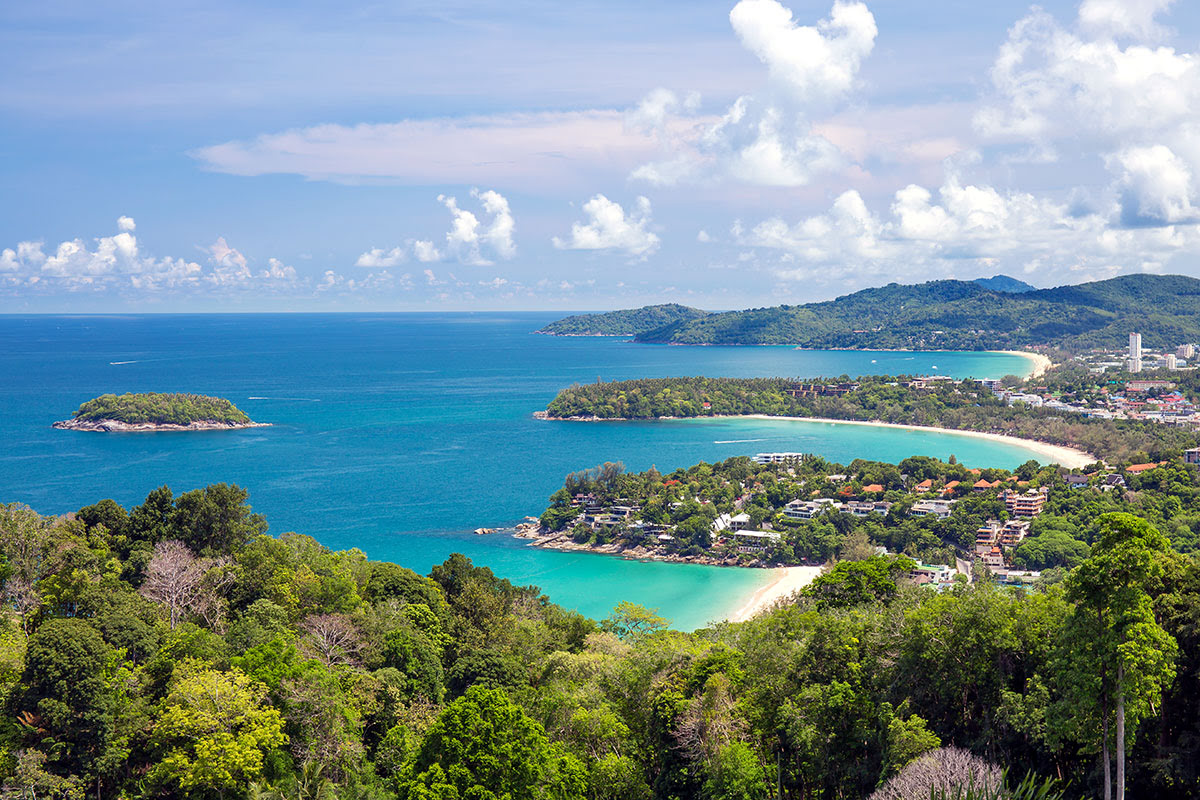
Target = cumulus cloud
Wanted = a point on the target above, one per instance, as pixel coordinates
(767, 139)
(117, 263)
(962, 226)
(608, 227)
(469, 240)
(1123, 17)
(812, 63)
(1105, 84)
(378, 257)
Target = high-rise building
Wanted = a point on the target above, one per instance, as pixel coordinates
(1169, 361)
(1185, 351)
(1135, 352)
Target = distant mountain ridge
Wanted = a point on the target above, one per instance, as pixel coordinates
(958, 315)
(627, 322)
(1005, 283)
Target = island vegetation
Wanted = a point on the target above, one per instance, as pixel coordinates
(623, 323)
(962, 315)
(152, 409)
(176, 649)
(958, 405)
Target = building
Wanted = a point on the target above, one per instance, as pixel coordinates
(1027, 504)
(810, 509)
(754, 541)
(937, 508)
(1145, 386)
(1185, 351)
(1192, 456)
(1170, 362)
(1013, 533)
(936, 574)
(863, 508)
(791, 459)
(1135, 352)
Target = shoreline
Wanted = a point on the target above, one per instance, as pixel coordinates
(785, 583)
(116, 426)
(1063, 455)
(1041, 363)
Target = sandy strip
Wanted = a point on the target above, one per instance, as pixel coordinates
(1068, 457)
(1041, 363)
(785, 581)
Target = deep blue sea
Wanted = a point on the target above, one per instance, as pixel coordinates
(400, 433)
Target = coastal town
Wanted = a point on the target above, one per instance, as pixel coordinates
(787, 508)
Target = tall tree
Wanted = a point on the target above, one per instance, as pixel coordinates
(1115, 659)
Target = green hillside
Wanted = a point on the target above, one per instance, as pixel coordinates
(623, 323)
(961, 315)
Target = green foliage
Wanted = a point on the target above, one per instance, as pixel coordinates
(321, 674)
(955, 315)
(484, 746)
(623, 323)
(853, 583)
(163, 409)
(213, 729)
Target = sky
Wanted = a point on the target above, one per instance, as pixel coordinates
(454, 155)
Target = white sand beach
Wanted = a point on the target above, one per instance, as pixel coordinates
(1068, 457)
(1041, 363)
(785, 581)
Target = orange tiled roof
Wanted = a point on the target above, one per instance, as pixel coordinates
(874, 487)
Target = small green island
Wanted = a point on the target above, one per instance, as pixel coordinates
(154, 411)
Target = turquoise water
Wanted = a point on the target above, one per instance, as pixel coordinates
(400, 433)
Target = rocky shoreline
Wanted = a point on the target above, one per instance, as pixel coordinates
(116, 426)
(537, 536)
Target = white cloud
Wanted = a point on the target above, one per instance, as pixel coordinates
(535, 150)
(813, 63)
(1132, 104)
(377, 257)
(1122, 17)
(222, 255)
(467, 239)
(608, 227)
(426, 252)
(117, 263)
(1155, 186)
(966, 226)
(766, 139)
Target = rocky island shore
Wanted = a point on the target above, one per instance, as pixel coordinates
(152, 412)
(117, 426)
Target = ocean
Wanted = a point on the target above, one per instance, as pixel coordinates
(401, 433)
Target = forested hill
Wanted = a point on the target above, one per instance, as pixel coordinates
(623, 323)
(964, 315)
(163, 409)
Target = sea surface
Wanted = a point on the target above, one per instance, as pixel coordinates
(401, 433)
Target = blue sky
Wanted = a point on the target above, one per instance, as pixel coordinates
(454, 155)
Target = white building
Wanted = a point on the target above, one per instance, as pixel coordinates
(1170, 362)
(1185, 351)
(781, 458)
(1135, 352)
(938, 508)
(1192, 456)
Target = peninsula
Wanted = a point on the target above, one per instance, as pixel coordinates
(151, 411)
(982, 407)
(792, 509)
